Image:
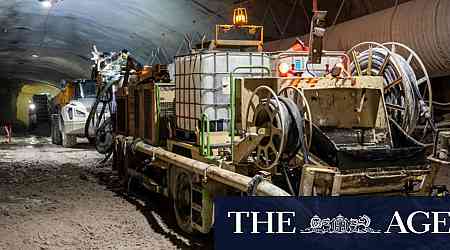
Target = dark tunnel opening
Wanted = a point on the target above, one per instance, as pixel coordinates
(16, 102)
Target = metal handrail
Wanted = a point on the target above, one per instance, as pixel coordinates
(233, 100)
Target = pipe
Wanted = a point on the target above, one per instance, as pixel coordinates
(422, 25)
(315, 5)
(212, 172)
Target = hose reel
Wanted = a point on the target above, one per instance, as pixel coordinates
(404, 74)
(281, 123)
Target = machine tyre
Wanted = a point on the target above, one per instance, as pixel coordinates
(123, 170)
(182, 200)
(115, 161)
(67, 140)
(104, 138)
(91, 141)
(55, 132)
(119, 159)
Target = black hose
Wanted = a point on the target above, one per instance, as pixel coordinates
(104, 137)
(296, 135)
(288, 179)
(309, 72)
(91, 116)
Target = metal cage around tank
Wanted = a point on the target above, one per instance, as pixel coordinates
(202, 86)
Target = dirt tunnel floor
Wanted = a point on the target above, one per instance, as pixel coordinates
(56, 198)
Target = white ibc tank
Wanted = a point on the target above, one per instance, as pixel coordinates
(202, 85)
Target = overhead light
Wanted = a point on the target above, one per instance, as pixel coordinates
(35, 56)
(46, 3)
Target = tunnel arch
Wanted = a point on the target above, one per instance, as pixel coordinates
(25, 95)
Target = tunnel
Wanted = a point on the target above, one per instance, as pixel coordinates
(18, 97)
(135, 124)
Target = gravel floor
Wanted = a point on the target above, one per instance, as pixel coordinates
(56, 198)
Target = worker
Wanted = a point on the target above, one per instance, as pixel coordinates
(7, 126)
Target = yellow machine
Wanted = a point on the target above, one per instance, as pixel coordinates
(66, 95)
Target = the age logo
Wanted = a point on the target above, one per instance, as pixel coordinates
(340, 225)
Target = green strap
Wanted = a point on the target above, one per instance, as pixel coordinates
(205, 146)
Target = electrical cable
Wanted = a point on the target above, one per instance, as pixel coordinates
(338, 13)
(253, 184)
(47, 16)
(395, 9)
(309, 72)
(288, 180)
(441, 104)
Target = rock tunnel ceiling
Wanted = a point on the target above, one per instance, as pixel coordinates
(43, 42)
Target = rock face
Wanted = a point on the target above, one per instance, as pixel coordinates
(8, 97)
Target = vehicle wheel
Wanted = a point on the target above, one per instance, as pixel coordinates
(104, 138)
(123, 171)
(68, 141)
(55, 131)
(118, 159)
(91, 141)
(115, 161)
(182, 201)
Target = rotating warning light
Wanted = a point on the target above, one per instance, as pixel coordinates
(240, 16)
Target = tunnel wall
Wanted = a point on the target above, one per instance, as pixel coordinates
(8, 98)
(423, 25)
(25, 96)
(14, 99)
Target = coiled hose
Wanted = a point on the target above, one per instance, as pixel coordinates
(404, 101)
(295, 132)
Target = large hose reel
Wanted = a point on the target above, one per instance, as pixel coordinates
(407, 88)
(281, 120)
